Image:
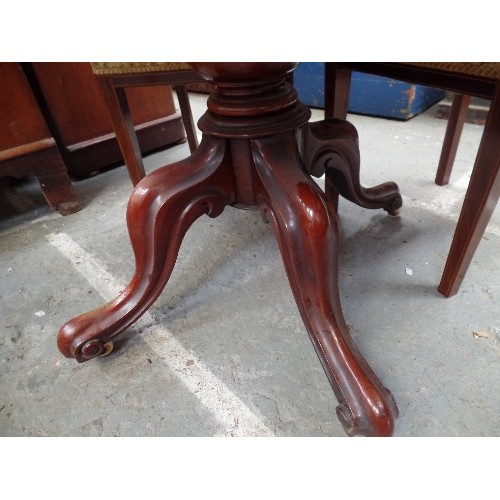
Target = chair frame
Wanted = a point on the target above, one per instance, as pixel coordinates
(484, 186)
(112, 87)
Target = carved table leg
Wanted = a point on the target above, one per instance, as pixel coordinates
(161, 209)
(331, 147)
(307, 233)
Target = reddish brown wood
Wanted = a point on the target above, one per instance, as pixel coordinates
(479, 203)
(26, 145)
(331, 146)
(76, 105)
(342, 173)
(119, 112)
(79, 121)
(161, 209)
(114, 89)
(237, 165)
(482, 195)
(187, 116)
(454, 129)
(460, 83)
(337, 88)
(21, 122)
(307, 233)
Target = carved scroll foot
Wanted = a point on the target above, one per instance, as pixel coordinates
(307, 233)
(161, 209)
(331, 147)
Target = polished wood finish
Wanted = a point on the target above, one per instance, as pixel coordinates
(26, 144)
(482, 194)
(480, 202)
(307, 233)
(456, 121)
(187, 116)
(249, 157)
(337, 88)
(458, 83)
(115, 89)
(331, 147)
(77, 115)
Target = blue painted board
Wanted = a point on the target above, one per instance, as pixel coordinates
(370, 94)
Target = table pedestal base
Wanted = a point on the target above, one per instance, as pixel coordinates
(270, 173)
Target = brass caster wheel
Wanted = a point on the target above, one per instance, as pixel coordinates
(108, 348)
(394, 207)
(394, 213)
(95, 348)
(346, 418)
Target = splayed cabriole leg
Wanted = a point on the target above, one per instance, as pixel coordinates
(161, 209)
(306, 229)
(331, 147)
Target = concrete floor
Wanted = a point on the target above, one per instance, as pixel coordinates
(223, 351)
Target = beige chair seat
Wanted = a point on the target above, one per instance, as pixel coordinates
(128, 68)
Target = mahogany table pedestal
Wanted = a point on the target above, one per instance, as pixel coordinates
(257, 151)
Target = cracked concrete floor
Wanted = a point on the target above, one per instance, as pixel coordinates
(224, 351)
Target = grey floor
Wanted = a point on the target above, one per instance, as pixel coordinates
(223, 351)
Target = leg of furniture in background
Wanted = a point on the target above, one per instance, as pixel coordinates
(454, 129)
(55, 183)
(464, 79)
(337, 87)
(480, 202)
(42, 160)
(27, 146)
(187, 116)
(119, 112)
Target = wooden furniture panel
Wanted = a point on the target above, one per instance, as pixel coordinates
(19, 128)
(74, 108)
(26, 144)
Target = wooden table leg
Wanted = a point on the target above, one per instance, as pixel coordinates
(331, 147)
(161, 209)
(307, 233)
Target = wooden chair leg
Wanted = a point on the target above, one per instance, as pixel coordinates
(480, 201)
(454, 129)
(119, 112)
(337, 87)
(187, 116)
